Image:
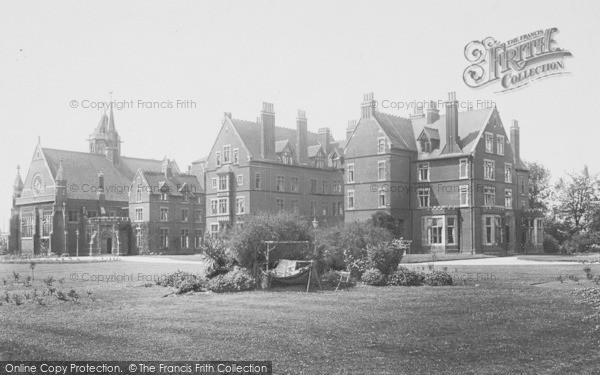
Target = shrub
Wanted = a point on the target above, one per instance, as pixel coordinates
(238, 280)
(183, 281)
(584, 242)
(331, 278)
(406, 277)
(374, 277)
(438, 277)
(215, 250)
(384, 256)
(588, 273)
(551, 245)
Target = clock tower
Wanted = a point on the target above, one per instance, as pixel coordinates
(105, 139)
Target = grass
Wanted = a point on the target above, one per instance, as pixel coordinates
(563, 257)
(420, 258)
(496, 322)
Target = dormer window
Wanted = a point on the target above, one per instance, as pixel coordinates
(319, 162)
(287, 158)
(425, 145)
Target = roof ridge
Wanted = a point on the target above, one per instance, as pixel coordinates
(394, 127)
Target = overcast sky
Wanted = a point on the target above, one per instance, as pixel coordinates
(320, 56)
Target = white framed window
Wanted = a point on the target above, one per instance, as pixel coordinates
(350, 173)
(489, 196)
(198, 238)
(214, 230)
(500, 144)
(164, 196)
(337, 186)
(185, 238)
(280, 183)
(185, 215)
(489, 143)
(223, 182)
(223, 206)
(239, 205)
(463, 168)
(423, 196)
(27, 226)
(489, 170)
(138, 194)
(164, 214)
(46, 224)
(240, 179)
(199, 215)
(139, 214)
(381, 170)
(214, 182)
(218, 158)
(226, 154)
(423, 171)
(464, 195)
(214, 207)
(381, 145)
(493, 229)
(257, 181)
(508, 172)
(350, 199)
(236, 156)
(324, 208)
(164, 237)
(294, 184)
(381, 199)
(138, 237)
(508, 198)
(434, 230)
(451, 230)
(295, 206)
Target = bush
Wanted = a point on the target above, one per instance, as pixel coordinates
(385, 256)
(215, 249)
(438, 278)
(238, 280)
(374, 277)
(331, 278)
(551, 245)
(584, 242)
(183, 281)
(406, 277)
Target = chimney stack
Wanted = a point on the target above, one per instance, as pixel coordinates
(324, 139)
(451, 124)
(267, 119)
(350, 129)
(368, 105)
(433, 114)
(302, 137)
(167, 167)
(515, 141)
(100, 189)
(418, 113)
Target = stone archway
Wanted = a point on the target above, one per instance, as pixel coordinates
(108, 242)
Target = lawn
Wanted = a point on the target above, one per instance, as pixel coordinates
(421, 258)
(594, 257)
(501, 319)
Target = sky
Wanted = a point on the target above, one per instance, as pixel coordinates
(59, 59)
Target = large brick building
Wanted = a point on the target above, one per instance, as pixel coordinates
(258, 167)
(454, 182)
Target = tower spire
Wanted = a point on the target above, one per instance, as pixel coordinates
(18, 184)
(60, 174)
(111, 118)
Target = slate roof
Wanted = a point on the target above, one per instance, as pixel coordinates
(314, 150)
(81, 171)
(174, 184)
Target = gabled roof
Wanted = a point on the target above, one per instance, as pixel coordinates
(430, 133)
(280, 146)
(174, 184)
(398, 129)
(315, 150)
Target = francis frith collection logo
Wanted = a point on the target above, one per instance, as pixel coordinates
(514, 63)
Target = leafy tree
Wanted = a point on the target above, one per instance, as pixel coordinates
(577, 197)
(539, 185)
(384, 220)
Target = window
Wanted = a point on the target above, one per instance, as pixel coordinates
(73, 216)
(313, 186)
(463, 168)
(138, 237)
(218, 158)
(199, 214)
(498, 230)
(489, 170)
(164, 237)
(464, 195)
(507, 173)
(325, 187)
(313, 208)
(489, 196)
(488, 233)
(337, 186)
(257, 181)
(214, 182)
(240, 179)
(334, 209)
(223, 182)
(111, 213)
(164, 214)
(185, 238)
(226, 154)
(423, 171)
(508, 198)
(381, 170)
(236, 156)
(27, 226)
(139, 214)
(294, 184)
(185, 215)
(324, 208)
(350, 173)
(92, 213)
(435, 228)
(489, 142)
(350, 199)
(198, 238)
(340, 208)
(295, 207)
(381, 199)
(287, 158)
(213, 206)
(493, 230)
(46, 224)
(522, 187)
(239, 205)
(423, 196)
(319, 162)
(138, 194)
(164, 196)
(451, 230)
(425, 145)
(500, 144)
(223, 206)
(380, 145)
(280, 183)
(214, 230)
(539, 230)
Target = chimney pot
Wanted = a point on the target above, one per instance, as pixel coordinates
(368, 105)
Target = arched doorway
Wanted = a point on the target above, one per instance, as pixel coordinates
(106, 243)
